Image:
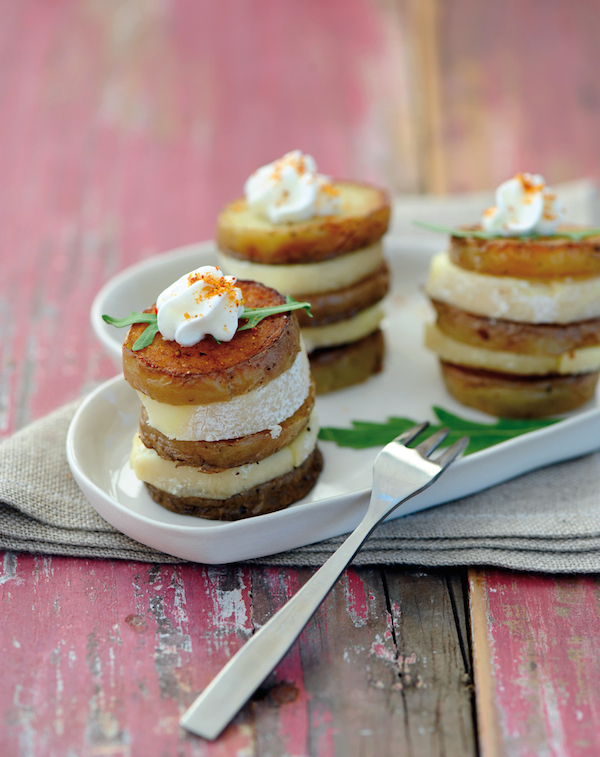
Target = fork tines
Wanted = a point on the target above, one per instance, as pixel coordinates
(428, 446)
(453, 452)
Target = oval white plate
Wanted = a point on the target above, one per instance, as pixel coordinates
(100, 435)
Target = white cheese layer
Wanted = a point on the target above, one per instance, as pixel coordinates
(260, 409)
(510, 298)
(584, 360)
(343, 332)
(309, 278)
(187, 481)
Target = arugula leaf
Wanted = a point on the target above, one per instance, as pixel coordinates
(576, 235)
(256, 315)
(129, 320)
(253, 315)
(147, 336)
(455, 232)
(369, 434)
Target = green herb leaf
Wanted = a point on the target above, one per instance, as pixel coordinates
(368, 434)
(574, 235)
(455, 232)
(256, 315)
(147, 336)
(253, 315)
(129, 320)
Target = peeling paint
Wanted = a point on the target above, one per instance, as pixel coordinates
(9, 568)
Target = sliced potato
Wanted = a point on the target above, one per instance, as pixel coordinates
(227, 453)
(459, 353)
(543, 258)
(364, 219)
(339, 367)
(510, 336)
(345, 303)
(209, 371)
(508, 396)
(266, 498)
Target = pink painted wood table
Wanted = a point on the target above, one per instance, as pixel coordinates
(124, 127)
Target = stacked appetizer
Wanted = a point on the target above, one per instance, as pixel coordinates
(320, 242)
(226, 427)
(518, 307)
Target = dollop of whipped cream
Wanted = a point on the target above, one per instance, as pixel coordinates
(524, 205)
(290, 189)
(201, 303)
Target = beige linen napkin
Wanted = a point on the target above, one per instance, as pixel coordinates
(547, 520)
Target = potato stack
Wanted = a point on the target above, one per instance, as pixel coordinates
(330, 256)
(226, 428)
(518, 318)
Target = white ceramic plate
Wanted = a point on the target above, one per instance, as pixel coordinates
(99, 439)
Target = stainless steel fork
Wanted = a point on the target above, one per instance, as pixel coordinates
(398, 474)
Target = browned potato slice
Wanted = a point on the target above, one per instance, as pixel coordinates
(228, 453)
(510, 336)
(364, 219)
(266, 498)
(211, 372)
(338, 367)
(344, 303)
(507, 396)
(543, 258)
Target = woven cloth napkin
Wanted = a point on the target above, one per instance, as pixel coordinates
(547, 520)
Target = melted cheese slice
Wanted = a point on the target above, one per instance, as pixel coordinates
(263, 408)
(343, 332)
(584, 360)
(510, 298)
(187, 481)
(309, 278)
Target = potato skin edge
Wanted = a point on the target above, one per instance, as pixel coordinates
(269, 497)
(309, 241)
(208, 372)
(506, 396)
(543, 258)
(226, 453)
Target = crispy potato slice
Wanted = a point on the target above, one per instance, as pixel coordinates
(228, 453)
(273, 495)
(507, 396)
(510, 336)
(364, 219)
(211, 372)
(340, 304)
(543, 258)
(338, 367)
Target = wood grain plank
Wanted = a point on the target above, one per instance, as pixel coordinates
(379, 670)
(518, 91)
(434, 661)
(537, 653)
(102, 657)
(490, 741)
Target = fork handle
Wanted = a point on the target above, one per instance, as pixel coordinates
(242, 675)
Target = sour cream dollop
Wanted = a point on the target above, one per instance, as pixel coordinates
(524, 205)
(290, 189)
(201, 303)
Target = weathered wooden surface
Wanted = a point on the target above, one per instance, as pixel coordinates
(124, 126)
(102, 657)
(537, 655)
(518, 91)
